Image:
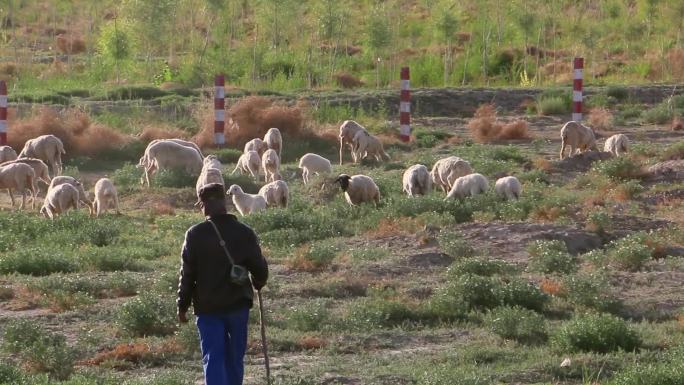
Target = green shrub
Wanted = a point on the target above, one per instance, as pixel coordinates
(589, 291)
(39, 349)
(480, 266)
(618, 169)
(226, 155)
(600, 333)
(188, 338)
(37, 261)
(660, 114)
(620, 93)
(173, 178)
(147, 314)
(462, 294)
(311, 316)
(630, 252)
(9, 375)
(673, 151)
(599, 221)
(551, 257)
(374, 313)
(454, 245)
(522, 325)
(520, 292)
(128, 175)
(669, 370)
(553, 105)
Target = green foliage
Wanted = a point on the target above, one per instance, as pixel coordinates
(521, 292)
(620, 93)
(39, 349)
(146, 315)
(516, 323)
(312, 316)
(454, 245)
(600, 333)
(173, 178)
(668, 370)
(660, 114)
(630, 252)
(551, 257)
(589, 291)
(620, 168)
(374, 313)
(34, 260)
(128, 175)
(115, 43)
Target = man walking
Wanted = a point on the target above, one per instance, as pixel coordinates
(207, 279)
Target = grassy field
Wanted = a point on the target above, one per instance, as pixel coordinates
(586, 266)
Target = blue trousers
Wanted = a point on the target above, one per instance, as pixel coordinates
(224, 340)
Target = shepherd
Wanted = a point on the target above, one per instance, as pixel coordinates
(217, 259)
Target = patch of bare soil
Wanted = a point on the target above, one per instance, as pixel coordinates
(429, 260)
(654, 295)
(663, 197)
(580, 162)
(626, 224)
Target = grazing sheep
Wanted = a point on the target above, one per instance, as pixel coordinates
(166, 154)
(365, 145)
(47, 148)
(446, 170)
(617, 144)
(348, 129)
(508, 187)
(246, 203)
(211, 161)
(417, 180)
(274, 140)
(249, 162)
(257, 145)
(276, 194)
(20, 177)
(270, 162)
(82, 195)
(208, 176)
(7, 153)
(39, 167)
(59, 200)
(469, 185)
(105, 197)
(578, 137)
(358, 189)
(314, 164)
(182, 142)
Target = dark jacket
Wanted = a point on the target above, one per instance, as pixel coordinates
(205, 268)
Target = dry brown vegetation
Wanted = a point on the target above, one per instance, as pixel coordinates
(551, 287)
(347, 80)
(150, 133)
(135, 352)
(79, 135)
(485, 127)
(600, 119)
(677, 124)
(70, 44)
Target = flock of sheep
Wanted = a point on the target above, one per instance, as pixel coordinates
(453, 175)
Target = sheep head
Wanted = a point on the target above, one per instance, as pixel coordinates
(343, 180)
(234, 189)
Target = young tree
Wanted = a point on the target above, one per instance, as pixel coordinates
(379, 37)
(526, 21)
(115, 45)
(447, 25)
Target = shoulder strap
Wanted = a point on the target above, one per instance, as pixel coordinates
(221, 241)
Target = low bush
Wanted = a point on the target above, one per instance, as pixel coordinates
(674, 151)
(375, 313)
(521, 292)
(314, 256)
(551, 257)
(520, 324)
(173, 178)
(454, 245)
(600, 333)
(630, 252)
(589, 292)
(128, 176)
(147, 315)
(9, 374)
(620, 93)
(37, 261)
(598, 221)
(619, 169)
(600, 119)
(668, 370)
(660, 114)
(553, 105)
(38, 349)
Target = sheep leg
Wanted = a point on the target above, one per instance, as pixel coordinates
(96, 207)
(23, 199)
(9, 190)
(341, 149)
(305, 175)
(562, 150)
(116, 205)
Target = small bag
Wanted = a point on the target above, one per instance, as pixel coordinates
(238, 273)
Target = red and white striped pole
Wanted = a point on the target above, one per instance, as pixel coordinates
(3, 113)
(219, 110)
(405, 106)
(577, 89)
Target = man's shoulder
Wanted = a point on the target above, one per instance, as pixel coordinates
(220, 221)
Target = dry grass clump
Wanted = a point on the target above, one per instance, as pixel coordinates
(135, 352)
(8, 69)
(542, 164)
(347, 80)
(250, 118)
(675, 58)
(484, 126)
(551, 287)
(150, 133)
(311, 343)
(79, 135)
(70, 44)
(677, 124)
(600, 119)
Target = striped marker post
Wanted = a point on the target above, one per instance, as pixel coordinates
(577, 89)
(219, 110)
(3, 113)
(405, 106)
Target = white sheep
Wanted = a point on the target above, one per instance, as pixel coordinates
(276, 194)
(359, 189)
(39, 168)
(274, 140)
(469, 185)
(366, 145)
(208, 176)
(82, 195)
(578, 137)
(348, 129)
(270, 163)
(166, 154)
(211, 161)
(20, 177)
(257, 145)
(7, 153)
(446, 170)
(59, 200)
(417, 180)
(47, 148)
(246, 203)
(105, 197)
(508, 187)
(182, 142)
(249, 163)
(314, 164)
(617, 144)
